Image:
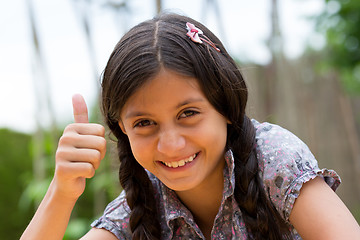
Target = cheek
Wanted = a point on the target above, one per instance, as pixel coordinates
(213, 134)
(218, 137)
(141, 148)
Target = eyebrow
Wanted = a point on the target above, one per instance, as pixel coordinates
(188, 101)
(136, 114)
(181, 104)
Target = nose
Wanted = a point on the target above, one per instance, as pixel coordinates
(170, 141)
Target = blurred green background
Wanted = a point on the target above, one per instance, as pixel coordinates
(314, 91)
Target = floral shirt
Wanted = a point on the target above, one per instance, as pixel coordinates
(285, 162)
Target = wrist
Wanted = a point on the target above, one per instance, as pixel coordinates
(56, 194)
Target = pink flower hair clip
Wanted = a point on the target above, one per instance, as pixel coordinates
(194, 34)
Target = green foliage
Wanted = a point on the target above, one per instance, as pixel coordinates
(15, 164)
(356, 212)
(340, 22)
(21, 191)
(77, 228)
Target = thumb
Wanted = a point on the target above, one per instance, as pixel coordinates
(79, 109)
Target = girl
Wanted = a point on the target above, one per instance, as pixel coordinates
(193, 165)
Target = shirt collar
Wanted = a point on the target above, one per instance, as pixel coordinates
(229, 176)
(174, 209)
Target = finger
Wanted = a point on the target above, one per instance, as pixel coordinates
(83, 141)
(98, 144)
(86, 129)
(79, 109)
(91, 156)
(68, 170)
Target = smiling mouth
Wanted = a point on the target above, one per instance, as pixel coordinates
(180, 163)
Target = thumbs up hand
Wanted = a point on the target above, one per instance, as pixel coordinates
(80, 109)
(80, 150)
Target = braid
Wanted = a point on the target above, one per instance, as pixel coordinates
(144, 222)
(261, 218)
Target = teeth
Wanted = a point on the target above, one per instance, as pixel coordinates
(180, 163)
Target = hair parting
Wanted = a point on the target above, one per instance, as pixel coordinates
(156, 40)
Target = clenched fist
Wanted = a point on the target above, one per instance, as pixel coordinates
(80, 151)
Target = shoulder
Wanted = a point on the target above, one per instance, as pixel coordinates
(270, 135)
(276, 146)
(286, 163)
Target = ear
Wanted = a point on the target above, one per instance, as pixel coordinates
(121, 125)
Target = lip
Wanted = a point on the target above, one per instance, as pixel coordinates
(187, 165)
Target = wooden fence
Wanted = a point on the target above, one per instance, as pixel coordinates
(313, 106)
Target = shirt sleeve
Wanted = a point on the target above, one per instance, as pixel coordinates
(116, 218)
(286, 163)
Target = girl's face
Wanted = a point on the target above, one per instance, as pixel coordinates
(174, 131)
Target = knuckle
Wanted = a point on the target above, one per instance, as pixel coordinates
(60, 153)
(102, 144)
(66, 138)
(89, 170)
(70, 127)
(96, 159)
(94, 156)
(97, 156)
(63, 140)
(102, 130)
(61, 169)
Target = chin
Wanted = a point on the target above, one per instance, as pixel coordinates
(180, 187)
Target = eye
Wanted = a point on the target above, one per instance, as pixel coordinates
(143, 123)
(188, 113)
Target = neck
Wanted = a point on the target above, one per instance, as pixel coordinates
(204, 201)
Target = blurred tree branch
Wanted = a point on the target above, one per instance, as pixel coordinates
(340, 23)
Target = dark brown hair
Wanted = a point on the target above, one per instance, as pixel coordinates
(139, 55)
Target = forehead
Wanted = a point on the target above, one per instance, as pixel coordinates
(166, 89)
